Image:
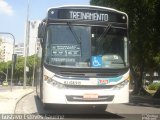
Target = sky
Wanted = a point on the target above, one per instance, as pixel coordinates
(13, 13)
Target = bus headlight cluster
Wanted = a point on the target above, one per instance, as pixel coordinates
(53, 82)
(120, 85)
(57, 84)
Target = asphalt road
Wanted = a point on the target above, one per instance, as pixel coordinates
(4, 88)
(132, 111)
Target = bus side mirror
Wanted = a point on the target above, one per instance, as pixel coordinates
(41, 32)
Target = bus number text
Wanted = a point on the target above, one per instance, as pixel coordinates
(72, 82)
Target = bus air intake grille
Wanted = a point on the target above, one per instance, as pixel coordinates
(86, 75)
(76, 98)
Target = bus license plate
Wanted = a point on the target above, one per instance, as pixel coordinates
(90, 96)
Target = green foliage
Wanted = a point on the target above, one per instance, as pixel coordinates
(154, 86)
(19, 68)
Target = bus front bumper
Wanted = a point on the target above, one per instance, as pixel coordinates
(55, 95)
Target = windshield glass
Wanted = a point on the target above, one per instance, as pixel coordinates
(86, 46)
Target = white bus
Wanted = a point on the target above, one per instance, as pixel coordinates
(83, 57)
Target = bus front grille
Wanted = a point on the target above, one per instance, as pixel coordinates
(88, 75)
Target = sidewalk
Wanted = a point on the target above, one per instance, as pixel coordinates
(8, 99)
(144, 99)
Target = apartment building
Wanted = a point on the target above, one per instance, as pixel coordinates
(33, 42)
(6, 49)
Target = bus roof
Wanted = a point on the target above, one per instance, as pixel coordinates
(86, 12)
(86, 7)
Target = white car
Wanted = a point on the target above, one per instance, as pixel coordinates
(5, 83)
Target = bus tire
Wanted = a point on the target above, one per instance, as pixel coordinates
(45, 106)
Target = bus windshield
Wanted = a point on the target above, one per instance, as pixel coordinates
(86, 46)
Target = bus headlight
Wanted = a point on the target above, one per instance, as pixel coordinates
(120, 85)
(57, 84)
(53, 82)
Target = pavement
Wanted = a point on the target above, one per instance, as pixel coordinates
(9, 99)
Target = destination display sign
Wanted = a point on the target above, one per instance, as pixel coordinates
(66, 50)
(87, 14)
(65, 54)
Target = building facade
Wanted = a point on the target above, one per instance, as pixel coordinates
(33, 42)
(6, 49)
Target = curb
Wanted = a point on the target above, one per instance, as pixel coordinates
(14, 110)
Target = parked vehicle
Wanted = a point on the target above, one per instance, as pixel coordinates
(5, 83)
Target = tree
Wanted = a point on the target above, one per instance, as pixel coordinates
(144, 29)
(3, 67)
(19, 69)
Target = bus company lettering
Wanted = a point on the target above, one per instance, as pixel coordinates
(88, 16)
(102, 82)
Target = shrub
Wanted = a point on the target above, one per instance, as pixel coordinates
(154, 86)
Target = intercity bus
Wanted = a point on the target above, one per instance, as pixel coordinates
(83, 57)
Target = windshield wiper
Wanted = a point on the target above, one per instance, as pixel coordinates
(74, 33)
(104, 32)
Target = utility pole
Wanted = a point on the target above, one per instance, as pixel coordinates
(7, 67)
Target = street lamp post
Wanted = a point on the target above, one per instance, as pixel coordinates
(7, 68)
(7, 33)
